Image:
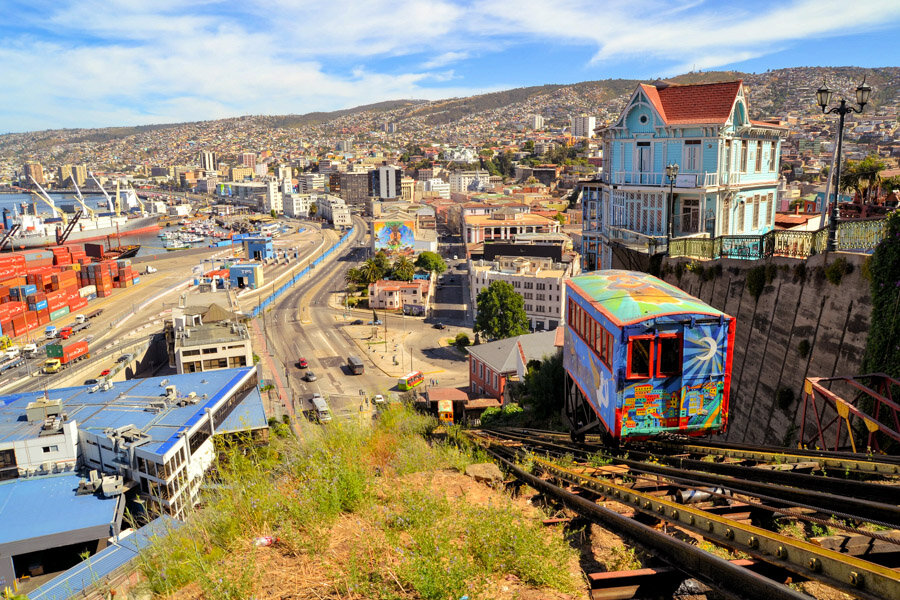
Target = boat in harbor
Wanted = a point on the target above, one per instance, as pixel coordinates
(25, 230)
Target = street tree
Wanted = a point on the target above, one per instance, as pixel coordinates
(403, 269)
(501, 312)
(370, 272)
(431, 261)
(862, 176)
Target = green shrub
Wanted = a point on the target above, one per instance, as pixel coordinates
(803, 348)
(784, 397)
(462, 340)
(771, 272)
(835, 271)
(756, 281)
(679, 271)
(800, 272)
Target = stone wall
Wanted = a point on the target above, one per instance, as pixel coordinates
(793, 307)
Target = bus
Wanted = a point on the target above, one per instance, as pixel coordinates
(410, 381)
(355, 364)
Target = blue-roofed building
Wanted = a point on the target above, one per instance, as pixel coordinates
(106, 565)
(155, 432)
(41, 513)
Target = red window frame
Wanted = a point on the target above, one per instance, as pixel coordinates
(629, 374)
(607, 352)
(657, 353)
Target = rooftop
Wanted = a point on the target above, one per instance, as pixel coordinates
(520, 219)
(35, 507)
(501, 355)
(629, 296)
(214, 333)
(129, 403)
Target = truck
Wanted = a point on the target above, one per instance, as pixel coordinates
(5, 342)
(59, 356)
(79, 319)
(50, 332)
(355, 364)
(80, 326)
(95, 314)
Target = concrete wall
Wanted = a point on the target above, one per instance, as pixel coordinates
(833, 319)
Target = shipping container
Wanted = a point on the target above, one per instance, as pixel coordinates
(68, 353)
(61, 312)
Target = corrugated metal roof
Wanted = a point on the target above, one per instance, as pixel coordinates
(96, 568)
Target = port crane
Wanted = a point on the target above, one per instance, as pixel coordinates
(90, 211)
(109, 202)
(61, 234)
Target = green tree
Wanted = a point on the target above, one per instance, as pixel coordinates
(560, 218)
(274, 213)
(431, 261)
(370, 272)
(544, 385)
(353, 276)
(529, 146)
(501, 312)
(313, 209)
(882, 353)
(862, 176)
(381, 261)
(403, 269)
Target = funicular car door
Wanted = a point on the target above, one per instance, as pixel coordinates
(704, 374)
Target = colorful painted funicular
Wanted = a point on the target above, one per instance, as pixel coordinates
(643, 358)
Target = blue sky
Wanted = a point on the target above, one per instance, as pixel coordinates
(96, 63)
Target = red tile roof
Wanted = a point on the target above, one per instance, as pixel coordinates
(698, 103)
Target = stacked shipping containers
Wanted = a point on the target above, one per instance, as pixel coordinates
(39, 286)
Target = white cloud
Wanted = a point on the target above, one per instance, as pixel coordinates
(106, 62)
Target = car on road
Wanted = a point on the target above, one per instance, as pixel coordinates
(125, 358)
(375, 322)
(302, 363)
(438, 325)
(104, 372)
(310, 376)
(357, 322)
(378, 399)
(91, 381)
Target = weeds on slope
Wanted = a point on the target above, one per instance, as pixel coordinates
(418, 543)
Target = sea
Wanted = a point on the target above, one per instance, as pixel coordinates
(150, 243)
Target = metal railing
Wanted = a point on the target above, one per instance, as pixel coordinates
(852, 236)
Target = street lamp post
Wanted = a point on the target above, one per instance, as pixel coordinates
(671, 174)
(823, 97)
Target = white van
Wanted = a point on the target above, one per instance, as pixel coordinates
(323, 413)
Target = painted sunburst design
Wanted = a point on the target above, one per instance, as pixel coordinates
(704, 352)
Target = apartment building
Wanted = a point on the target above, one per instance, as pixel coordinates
(297, 205)
(469, 181)
(504, 224)
(248, 159)
(538, 279)
(240, 173)
(438, 187)
(354, 188)
(311, 182)
(334, 210)
(583, 126)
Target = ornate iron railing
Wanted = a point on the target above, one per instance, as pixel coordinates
(852, 236)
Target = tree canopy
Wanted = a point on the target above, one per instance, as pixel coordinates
(862, 176)
(544, 385)
(431, 261)
(403, 269)
(501, 312)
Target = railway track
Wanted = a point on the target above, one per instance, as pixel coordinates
(753, 500)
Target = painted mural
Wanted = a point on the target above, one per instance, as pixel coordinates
(629, 296)
(394, 237)
(592, 376)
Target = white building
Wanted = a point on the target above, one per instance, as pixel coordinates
(196, 347)
(273, 199)
(386, 182)
(311, 182)
(536, 121)
(438, 186)
(539, 280)
(466, 181)
(297, 205)
(334, 210)
(583, 126)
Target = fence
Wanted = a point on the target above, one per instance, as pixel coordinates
(852, 236)
(263, 304)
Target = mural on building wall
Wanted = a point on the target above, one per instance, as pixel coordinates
(395, 237)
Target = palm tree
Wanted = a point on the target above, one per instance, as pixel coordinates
(404, 269)
(370, 272)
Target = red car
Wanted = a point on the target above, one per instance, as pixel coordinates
(302, 363)
(104, 372)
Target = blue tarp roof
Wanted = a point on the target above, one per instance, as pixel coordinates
(126, 404)
(83, 575)
(37, 506)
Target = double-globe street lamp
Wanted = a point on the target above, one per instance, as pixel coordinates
(671, 173)
(823, 97)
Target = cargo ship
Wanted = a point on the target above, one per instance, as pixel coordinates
(36, 231)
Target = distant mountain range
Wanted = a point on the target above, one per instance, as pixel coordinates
(773, 93)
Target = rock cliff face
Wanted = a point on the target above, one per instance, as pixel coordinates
(801, 325)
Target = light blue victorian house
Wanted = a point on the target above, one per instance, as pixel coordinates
(726, 179)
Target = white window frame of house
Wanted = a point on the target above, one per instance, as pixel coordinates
(755, 212)
(726, 216)
(759, 146)
(643, 161)
(773, 156)
(745, 151)
(692, 153)
(770, 203)
(690, 215)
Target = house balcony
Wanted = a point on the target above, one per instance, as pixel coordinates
(687, 180)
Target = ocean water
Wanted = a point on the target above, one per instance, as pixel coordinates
(150, 242)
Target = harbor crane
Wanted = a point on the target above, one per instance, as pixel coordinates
(90, 211)
(109, 202)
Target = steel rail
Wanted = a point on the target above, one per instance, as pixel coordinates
(839, 461)
(876, 512)
(855, 576)
(734, 581)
